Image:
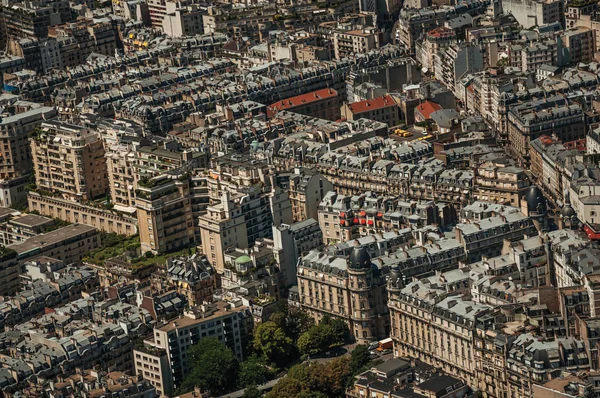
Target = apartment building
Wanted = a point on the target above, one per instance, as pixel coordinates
(291, 242)
(182, 20)
(453, 62)
(343, 218)
(534, 13)
(10, 272)
(350, 288)
(485, 237)
(581, 43)
(322, 104)
(435, 39)
(32, 19)
(68, 244)
(164, 360)
(164, 214)
(550, 116)
(433, 326)
(549, 159)
(95, 216)
(500, 183)
(383, 109)
(349, 42)
(306, 189)
(69, 161)
(240, 220)
(22, 120)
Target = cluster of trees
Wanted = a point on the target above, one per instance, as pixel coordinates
(215, 368)
(317, 380)
(327, 334)
(274, 346)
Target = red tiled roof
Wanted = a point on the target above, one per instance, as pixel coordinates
(302, 99)
(441, 31)
(369, 105)
(427, 108)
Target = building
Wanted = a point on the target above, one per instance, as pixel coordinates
(581, 43)
(164, 361)
(434, 40)
(500, 183)
(383, 109)
(551, 116)
(349, 42)
(10, 272)
(534, 12)
(164, 213)
(350, 288)
(240, 220)
(322, 104)
(69, 161)
(98, 217)
(306, 189)
(68, 244)
(21, 120)
(291, 242)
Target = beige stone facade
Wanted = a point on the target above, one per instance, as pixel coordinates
(69, 160)
(73, 212)
(350, 289)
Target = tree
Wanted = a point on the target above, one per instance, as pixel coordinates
(359, 358)
(253, 371)
(293, 320)
(214, 368)
(340, 330)
(272, 343)
(288, 387)
(252, 392)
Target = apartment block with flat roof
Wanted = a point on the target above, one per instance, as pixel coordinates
(69, 161)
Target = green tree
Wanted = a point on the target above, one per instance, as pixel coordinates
(214, 368)
(340, 330)
(253, 371)
(272, 343)
(288, 387)
(293, 320)
(359, 358)
(252, 392)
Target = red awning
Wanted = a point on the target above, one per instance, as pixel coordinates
(343, 215)
(590, 233)
(363, 222)
(356, 221)
(370, 222)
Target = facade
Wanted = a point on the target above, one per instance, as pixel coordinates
(581, 43)
(69, 160)
(346, 43)
(74, 212)
(383, 109)
(352, 289)
(534, 12)
(534, 119)
(68, 244)
(14, 137)
(165, 354)
(242, 220)
(164, 214)
(500, 183)
(322, 104)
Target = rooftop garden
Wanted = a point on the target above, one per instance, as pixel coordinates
(7, 254)
(112, 245)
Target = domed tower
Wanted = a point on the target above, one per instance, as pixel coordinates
(395, 281)
(533, 205)
(568, 216)
(368, 299)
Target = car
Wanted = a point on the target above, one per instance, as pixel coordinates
(385, 352)
(373, 355)
(373, 345)
(424, 132)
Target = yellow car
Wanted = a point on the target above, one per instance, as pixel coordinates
(425, 138)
